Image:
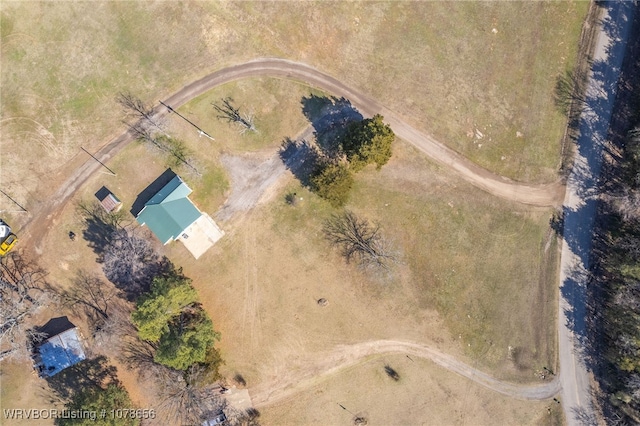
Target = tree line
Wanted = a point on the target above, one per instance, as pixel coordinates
(148, 310)
(618, 304)
(151, 312)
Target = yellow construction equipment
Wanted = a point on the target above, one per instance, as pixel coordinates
(7, 238)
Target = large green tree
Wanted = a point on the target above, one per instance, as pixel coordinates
(95, 400)
(166, 300)
(367, 142)
(332, 182)
(187, 340)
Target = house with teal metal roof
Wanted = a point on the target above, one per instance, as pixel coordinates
(169, 212)
(171, 215)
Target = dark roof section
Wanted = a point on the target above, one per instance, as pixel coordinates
(151, 190)
(56, 326)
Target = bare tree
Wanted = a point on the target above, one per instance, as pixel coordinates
(93, 296)
(135, 108)
(228, 112)
(152, 130)
(138, 355)
(570, 91)
(237, 417)
(358, 239)
(627, 204)
(184, 402)
(129, 262)
(22, 293)
(183, 397)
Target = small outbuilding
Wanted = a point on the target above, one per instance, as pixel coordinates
(61, 349)
(108, 200)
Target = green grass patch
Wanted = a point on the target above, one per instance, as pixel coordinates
(274, 104)
(210, 189)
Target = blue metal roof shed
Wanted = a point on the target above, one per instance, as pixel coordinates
(60, 351)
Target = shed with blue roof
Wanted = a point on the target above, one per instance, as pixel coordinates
(62, 349)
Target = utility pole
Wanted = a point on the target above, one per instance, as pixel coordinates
(200, 131)
(103, 165)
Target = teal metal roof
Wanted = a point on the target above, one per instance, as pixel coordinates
(169, 212)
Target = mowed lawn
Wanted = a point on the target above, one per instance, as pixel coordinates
(439, 64)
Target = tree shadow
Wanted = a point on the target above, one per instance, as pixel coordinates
(611, 107)
(584, 416)
(301, 158)
(610, 98)
(90, 373)
(100, 226)
(330, 118)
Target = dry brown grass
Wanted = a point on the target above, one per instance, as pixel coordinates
(64, 63)
(486, 265)
(21, 388)
(471, 264)
(424, 395)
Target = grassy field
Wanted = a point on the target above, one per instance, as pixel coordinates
(274, 104)
(486, 265)
(472, 279)
(473, 275)
(424, 395)
(448, 79)
(476, 275)
(64, 63)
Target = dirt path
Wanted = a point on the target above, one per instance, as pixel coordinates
(544, 195)
(580, 211)
(35, 230)
(297, 377)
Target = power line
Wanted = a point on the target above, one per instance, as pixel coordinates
(200, 131)
(15, 202)
(103, 165)
(345, 408)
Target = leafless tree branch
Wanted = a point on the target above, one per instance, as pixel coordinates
(358, 239)
(232, 114)
(23, 291)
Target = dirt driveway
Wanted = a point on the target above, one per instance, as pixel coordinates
(543, 195)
